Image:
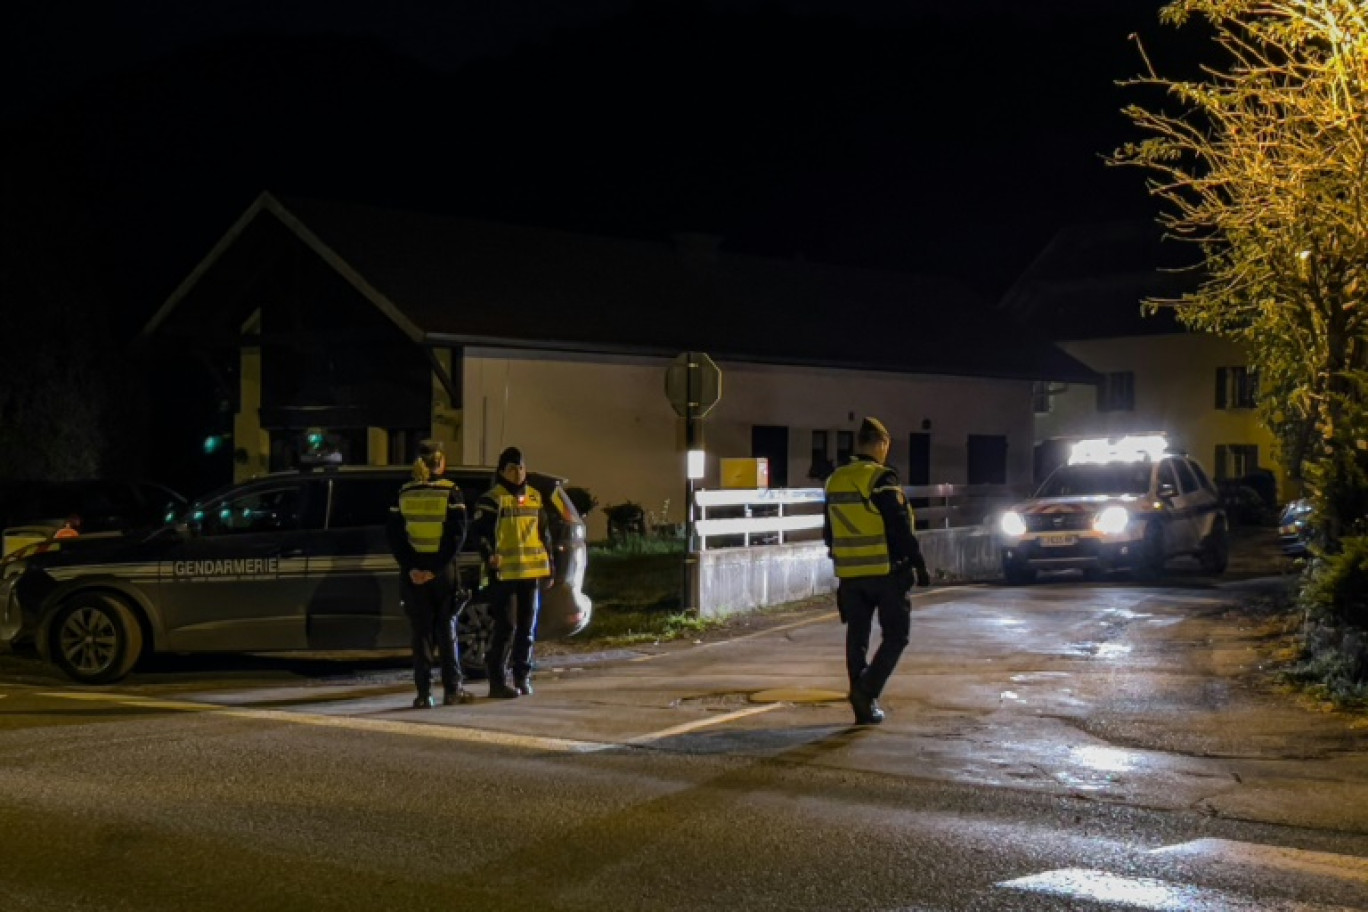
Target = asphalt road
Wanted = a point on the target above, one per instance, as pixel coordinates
(1061, 746)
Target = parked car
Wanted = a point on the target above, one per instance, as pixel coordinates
(1295, 529)
(1119, 504)
(32, 511)
(288, 561)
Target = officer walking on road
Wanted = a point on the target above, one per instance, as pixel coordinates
(510, 527)
(426, 530)
(868, 533)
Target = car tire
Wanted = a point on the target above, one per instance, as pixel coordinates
(1018, 575)
(1215, 553)
(95, 639)
(474, 633)
(1149, 563)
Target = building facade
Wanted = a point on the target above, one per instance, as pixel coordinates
(347, 334)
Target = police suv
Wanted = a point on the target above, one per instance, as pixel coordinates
(287, 561)
(1123, 503)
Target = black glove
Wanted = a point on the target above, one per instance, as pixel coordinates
(923, 578)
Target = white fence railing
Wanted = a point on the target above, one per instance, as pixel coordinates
(780, 515)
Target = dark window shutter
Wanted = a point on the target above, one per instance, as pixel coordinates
(1221, 401)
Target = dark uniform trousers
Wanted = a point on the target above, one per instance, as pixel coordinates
(513, 606)
(859, 601)
(432, 610)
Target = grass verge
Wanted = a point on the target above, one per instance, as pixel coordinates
(636, 586)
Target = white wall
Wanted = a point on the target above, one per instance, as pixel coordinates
(604, 421)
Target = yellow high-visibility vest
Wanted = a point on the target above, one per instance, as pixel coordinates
(522, 554)
(424, 508)
(859, 543)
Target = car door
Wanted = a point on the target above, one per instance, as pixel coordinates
(353, 577)
(237, 580)
(1179, 533)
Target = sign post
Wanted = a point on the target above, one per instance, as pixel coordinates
(693, 384)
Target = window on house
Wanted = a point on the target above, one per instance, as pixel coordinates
(987, 459)
(845, 446)
(1116, 392)
(1235, 460)
(1040, 397)
(1236, 388)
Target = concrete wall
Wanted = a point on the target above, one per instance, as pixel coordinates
(737, 580)
(604, 421)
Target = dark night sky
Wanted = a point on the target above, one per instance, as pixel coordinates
(953, 139)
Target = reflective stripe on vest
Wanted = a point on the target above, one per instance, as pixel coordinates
(521, 552)
(859, 543)
(424, 507)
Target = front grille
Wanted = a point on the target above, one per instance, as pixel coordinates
(1058, 522)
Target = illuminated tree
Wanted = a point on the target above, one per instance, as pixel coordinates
(1262, 161)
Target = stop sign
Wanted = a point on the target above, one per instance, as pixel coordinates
(693, 384)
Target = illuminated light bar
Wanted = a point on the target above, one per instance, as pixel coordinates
(1131, 448)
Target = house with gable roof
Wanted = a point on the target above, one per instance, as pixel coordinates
(379, 327)
(1084, 291)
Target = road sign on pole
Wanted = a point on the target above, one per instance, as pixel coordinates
(693, 384)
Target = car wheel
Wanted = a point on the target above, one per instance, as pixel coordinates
(1215, 554)
(1018, 575)
(1149, 563)
(474, 634)
(95, 639)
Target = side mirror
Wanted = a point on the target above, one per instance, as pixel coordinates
(1167, 492)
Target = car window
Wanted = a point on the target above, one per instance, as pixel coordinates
(1187, 482)
(362, 501)
(1202, 476)
(277, 509)
(1166, 476)
(1097, 478)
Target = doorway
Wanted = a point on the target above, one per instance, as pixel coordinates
(769, 441)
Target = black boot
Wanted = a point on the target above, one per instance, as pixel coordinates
(867, 711)
(423, 701)
(500, 690)
(523, 686)
(458, 696)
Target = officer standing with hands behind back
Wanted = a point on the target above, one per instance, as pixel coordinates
(868, 533)
(426, 530)
(510, 527)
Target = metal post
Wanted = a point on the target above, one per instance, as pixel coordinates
(689, 597)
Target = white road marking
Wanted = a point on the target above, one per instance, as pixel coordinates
(1326, 864)
(387, 726)
(1149, 893)
(701, 723)
(750, 636)
(419, 729)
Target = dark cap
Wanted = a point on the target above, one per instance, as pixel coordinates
(510, 456)
(429, 447)
(872, 429)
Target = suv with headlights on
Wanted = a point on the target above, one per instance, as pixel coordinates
(288, 561)
(1119, 504)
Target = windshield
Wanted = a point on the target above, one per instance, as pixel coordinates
(1100, 478)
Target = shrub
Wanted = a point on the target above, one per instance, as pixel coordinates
(1336, 591)
(584, 501)
(1246, 507)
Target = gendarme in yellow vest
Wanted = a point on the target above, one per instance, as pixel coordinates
(522, 555)
(859, 544)
(424, 507)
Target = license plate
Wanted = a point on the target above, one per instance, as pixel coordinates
(1058, 541)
